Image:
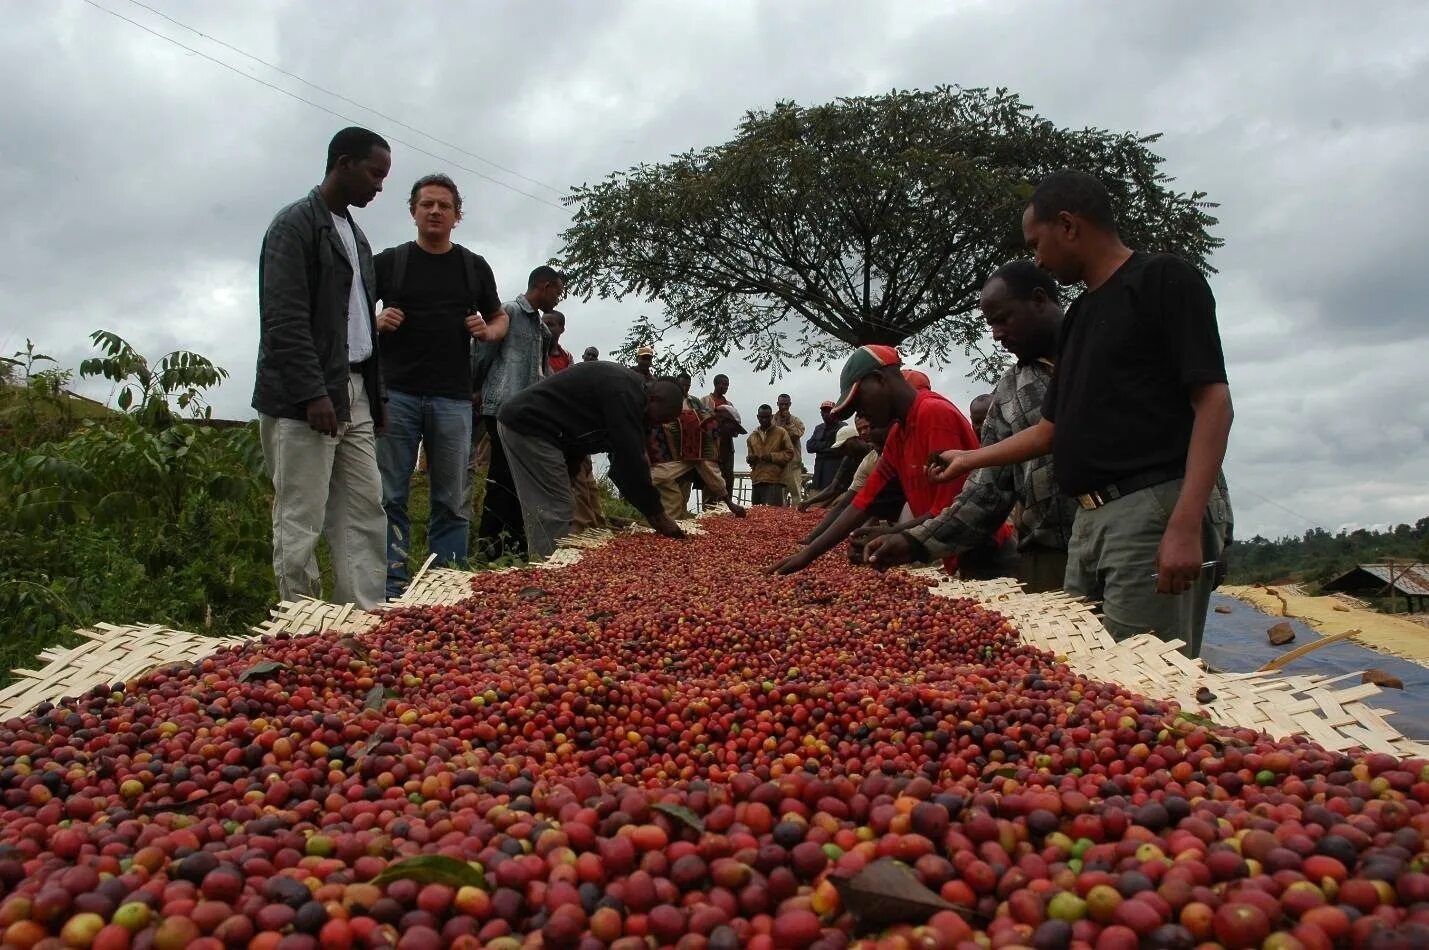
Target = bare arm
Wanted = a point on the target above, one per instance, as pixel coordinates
(1027, 444)
(843, 526)
(836, 508)
(1179, 560)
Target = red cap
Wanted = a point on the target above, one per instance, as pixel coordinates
(918, 379)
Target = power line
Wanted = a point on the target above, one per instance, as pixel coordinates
(316, 105)
(1275, 504)
(337, 95)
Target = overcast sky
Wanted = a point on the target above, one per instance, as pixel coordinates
(137, 178)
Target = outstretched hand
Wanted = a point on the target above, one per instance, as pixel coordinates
(888, 550)
(949, 465)
(792, 564)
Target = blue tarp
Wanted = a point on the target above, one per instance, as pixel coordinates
(1236, 643)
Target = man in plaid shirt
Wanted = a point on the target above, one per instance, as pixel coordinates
(1020, 305)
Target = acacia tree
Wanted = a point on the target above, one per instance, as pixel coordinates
(873, 219)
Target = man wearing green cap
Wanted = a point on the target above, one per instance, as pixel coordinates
(920, 423)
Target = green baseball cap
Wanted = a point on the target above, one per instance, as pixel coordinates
(864, 361)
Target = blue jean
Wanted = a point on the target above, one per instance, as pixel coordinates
(444, 427)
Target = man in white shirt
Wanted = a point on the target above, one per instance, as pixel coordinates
(318, 386)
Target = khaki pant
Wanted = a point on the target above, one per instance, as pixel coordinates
(588, 511)
(674, 494)
(793, 482)
(329, 486)
(1112, 556)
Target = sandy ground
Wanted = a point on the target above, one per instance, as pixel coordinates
(1330, 615)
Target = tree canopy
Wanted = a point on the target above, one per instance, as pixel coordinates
(873, 219)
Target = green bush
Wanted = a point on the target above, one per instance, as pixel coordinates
(139, 515)
(121, 523)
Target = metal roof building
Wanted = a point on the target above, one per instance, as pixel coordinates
(1411, 580)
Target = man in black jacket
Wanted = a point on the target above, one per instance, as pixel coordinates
(318, 386)
(589, 409)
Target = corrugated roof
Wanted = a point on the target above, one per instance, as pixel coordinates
(1410, 579)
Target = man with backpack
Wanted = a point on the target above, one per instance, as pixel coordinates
(429, 287)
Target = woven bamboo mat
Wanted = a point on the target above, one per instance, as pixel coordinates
(1326, 710)
(315, 616)
(110, 654)
(1329, 710)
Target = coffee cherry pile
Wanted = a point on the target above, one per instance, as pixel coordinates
(659, 746)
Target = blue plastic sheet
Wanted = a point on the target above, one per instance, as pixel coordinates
(1236, 643)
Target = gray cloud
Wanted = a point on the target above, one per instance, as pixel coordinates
(138, 178)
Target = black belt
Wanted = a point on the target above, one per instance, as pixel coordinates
(1104, 496)
(359, 368)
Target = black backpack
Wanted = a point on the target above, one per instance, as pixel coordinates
(483, 354)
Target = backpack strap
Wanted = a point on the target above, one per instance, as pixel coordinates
(469, 260)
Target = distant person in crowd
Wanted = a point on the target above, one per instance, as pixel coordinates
(519, 343)
(717, 398)
(794, 470)
(644, 360)
(588, 512)
(862, 454)
(591, 408)
(689, 446)
(1136, 418)
(980, 406)
(1019, 303)
(728, 427)
(920, 422)
(770, 450)
(428, 288)
(821, 446)
(318, 386)
(557, 357)
(590, 355)
(849, 447)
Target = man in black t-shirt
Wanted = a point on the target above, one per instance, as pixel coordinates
(1136, 417)
(429, 288)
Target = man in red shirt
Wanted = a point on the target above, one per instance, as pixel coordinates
(872, 383)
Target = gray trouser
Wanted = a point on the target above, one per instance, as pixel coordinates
(330, 486)
(1112, 556)
(543, 484)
